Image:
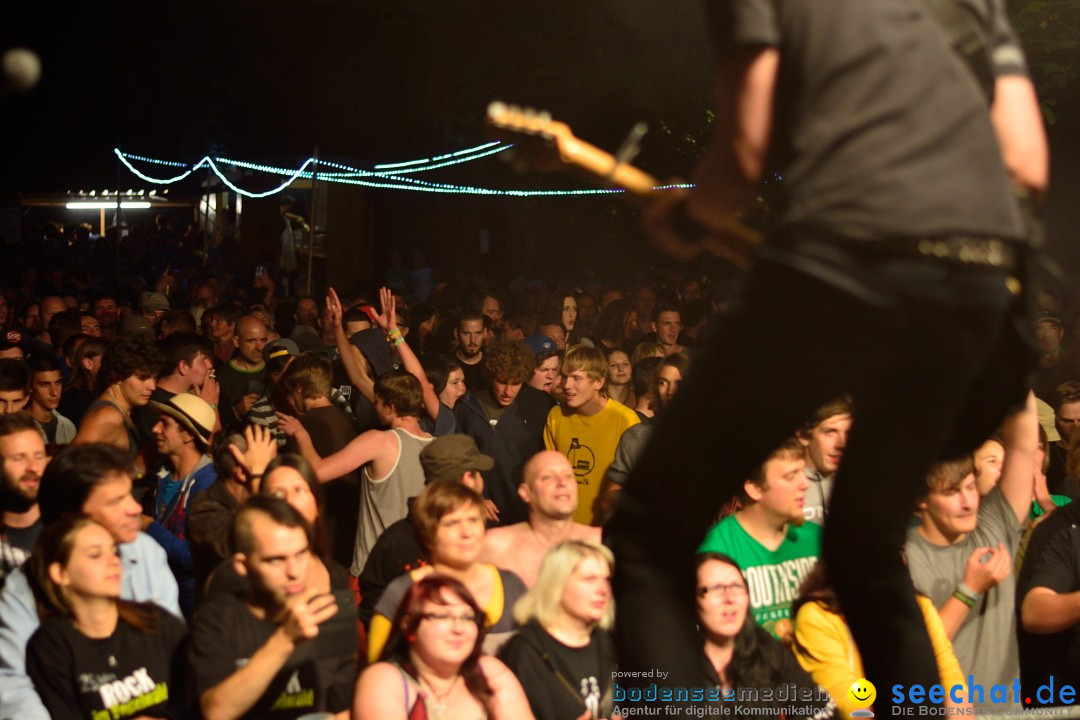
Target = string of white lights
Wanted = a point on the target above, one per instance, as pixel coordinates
(382, 180)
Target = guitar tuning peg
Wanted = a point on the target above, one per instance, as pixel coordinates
(543, 116)
(497, 110)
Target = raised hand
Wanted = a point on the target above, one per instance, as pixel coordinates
(334, 307)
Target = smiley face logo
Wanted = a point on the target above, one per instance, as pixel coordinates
(862, 692)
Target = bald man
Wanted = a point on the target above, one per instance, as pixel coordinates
(550, 489)
(243, 378)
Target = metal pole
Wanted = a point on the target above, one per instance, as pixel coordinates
(314, 215)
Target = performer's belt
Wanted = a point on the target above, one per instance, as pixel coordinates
(973, 250)
(963, 249)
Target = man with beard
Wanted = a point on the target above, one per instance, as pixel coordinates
(108, 314)
(95, 481)
(470, 342)
(255, 655)
(22, 450)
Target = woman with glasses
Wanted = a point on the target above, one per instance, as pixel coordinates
(449, 518)
(563, 654)
(432, 667)
(741, 654)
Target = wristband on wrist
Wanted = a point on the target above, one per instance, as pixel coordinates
(395, 332)
(397, 341)
(685, 225)
(966, 595)
(963, 598)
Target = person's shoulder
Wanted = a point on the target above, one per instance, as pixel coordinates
(624, 414)
(496, 671)
(808, 532)
(392, 595)
(996, 519)
(504, 535)
(590, 533)
(144, 548)
(513, 585)
(558, 414)
(536, 398)
(220, 615)
(54, 630)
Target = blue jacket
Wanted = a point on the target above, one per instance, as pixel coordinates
(170, 528)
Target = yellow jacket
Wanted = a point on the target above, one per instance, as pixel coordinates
(836, 663)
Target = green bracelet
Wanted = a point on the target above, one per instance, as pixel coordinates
(969, 601)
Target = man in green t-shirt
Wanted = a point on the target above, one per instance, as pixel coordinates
(769, 538)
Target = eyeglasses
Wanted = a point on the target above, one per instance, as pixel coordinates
(446, 619)
(735, 590)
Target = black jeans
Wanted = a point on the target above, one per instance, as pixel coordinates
(930, 351)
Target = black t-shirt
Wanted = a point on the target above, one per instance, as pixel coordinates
(73, 403)
(397, 551)
(127, 674)
(331, 429)
(561, 681)
(235, 384)
(1058, 568)
(225, 635)
(880, 129)
(474, 376)
(49, 428)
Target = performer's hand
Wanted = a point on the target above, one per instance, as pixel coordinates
(656, 220)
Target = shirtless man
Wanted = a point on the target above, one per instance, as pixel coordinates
(549, 488)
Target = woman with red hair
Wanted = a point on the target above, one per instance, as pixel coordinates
(432, 665)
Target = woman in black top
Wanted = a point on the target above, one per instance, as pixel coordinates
(740, 655)
(95, 655)
(563, 654)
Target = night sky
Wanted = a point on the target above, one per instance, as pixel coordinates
(364, 81)
(372, 81)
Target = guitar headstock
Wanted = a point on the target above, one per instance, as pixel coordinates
(539, 141)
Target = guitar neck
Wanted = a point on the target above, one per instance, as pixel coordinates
(599, 164)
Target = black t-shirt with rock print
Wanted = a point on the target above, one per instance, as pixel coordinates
(129, 674)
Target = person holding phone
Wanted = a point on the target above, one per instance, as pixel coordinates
(255, 654)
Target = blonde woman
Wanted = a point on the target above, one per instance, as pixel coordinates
(563, 654)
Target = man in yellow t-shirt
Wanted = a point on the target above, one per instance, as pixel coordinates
(587, 426)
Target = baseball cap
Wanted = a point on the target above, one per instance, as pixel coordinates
(540, 344)
(447, 458)
(153, 301)
(280, 348)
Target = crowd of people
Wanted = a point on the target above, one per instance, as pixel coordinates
(390, 505)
